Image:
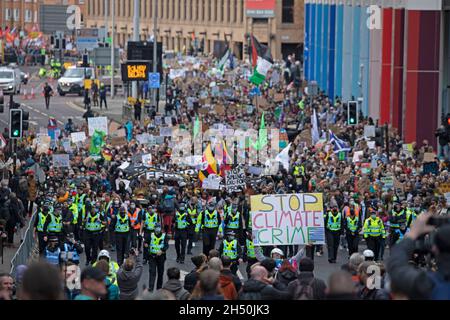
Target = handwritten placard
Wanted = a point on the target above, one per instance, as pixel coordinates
(98, 123)
(61, 160)
(78, 136)
(235, 180)
(165, 132)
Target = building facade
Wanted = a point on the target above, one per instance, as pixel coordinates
(389, 54)
(183, 22)
(24, 14)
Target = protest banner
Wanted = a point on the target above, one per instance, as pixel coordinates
(66, 145)
(61, 160)
(118, 141)
(158, 120)
(287, 219)
(168, 121)
(165, 132)
(43, 144)
(212, 182)
(279, 97)
(235, 180)
(388, 183)
(369, 131)
(429, 157)
(147, 159)
(357, 155)
(143, 138)
(78, 136)
(98, 123)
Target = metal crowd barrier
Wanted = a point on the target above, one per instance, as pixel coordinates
(26, 249)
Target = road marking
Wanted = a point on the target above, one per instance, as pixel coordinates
(74, 106)
(41, 112)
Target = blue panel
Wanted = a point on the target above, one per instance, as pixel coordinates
(319, 36)
(332, 53)
(325, 32)
(347, 54)
(339, 52)
(365, 59)
(356, 89)
(307, 43)
(312, 42)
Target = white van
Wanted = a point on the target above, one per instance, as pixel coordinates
(10, 81)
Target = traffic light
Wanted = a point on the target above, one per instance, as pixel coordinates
(63, 44)
(352, 113)
(52, 40)
(85, 61)
(57, 43)
(25, 118)
(15, 123)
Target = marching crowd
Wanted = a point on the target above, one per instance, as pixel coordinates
(120, 219)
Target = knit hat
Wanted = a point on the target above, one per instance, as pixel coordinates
(306, 264)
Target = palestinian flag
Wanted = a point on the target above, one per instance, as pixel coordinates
(211, 165)
(225, 56)
(261, 61)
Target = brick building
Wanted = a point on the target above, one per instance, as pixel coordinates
(180, 22)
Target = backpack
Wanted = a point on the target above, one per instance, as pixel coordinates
(304, 291)
(168, 204)
(441, 288)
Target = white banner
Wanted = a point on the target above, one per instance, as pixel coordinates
(61, 160)
(287, 219)
(98, 123)
(78, 136)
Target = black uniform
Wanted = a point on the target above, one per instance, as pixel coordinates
(122, 226)
(156, 262)
(352, 225)
(182, 221)
(333, 229)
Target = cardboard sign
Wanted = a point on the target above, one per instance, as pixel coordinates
(212, 182)
(61, 161)
(357, 155)
(203, 110)
(364, 185)
(147, 160)
(113, 127)
(371, 144)
(78, 136)
(98, 123)
(165, 132)
(429, 157)
(388, 183)
(369, 131)
(43, 144)
(118, 141)
(279, 97)
(287, 219)
(121, 133)
(168, 121)
(305, 136)
(158, 120)
(143, 138)
(235, 180)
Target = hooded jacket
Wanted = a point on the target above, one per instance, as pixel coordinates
(258, 290)
(227, 287)
(175, 286)
(128, 281)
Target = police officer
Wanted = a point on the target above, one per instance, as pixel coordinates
(231, 248)
(39, 226)
(71, 250)
(53, 225)
(133, 214)
(149, 218)
(182, 221)
(122, 226)
(52, 251)
(397, 217)
(249, 252)
(352, 225)
(209, 221)
(113, 211)
(192, 211)
(333, 229)
(411, 215)
(73, 208)
(93, 224)
(159, 243)
(401, 232)
(113, 265)
(374, 232)
(233, 222)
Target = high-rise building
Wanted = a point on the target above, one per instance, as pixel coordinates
(186, 23)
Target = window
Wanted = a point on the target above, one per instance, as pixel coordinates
(185, 9)
(196, 10)
(242, 10)
(150, 8)
(28, 16)
(167, 9)
(178, 17)
(124, 8)
(228, 4)
(222, 10)
(235, 11)
(7, 14)
(288, 11)
(145, 8)
(16, 14)
(173, 9)
(162, 9)
(190, 9)
(208, 3)
(203, 10)
(130, 8)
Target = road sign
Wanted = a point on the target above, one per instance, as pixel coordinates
(154, 80)
(87, 39)
(102, 57)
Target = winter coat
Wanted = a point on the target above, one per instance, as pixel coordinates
(227, 287)
(258, 290)
(286, 276)
(191, 280)
(32, 189)
(177, 289)
(304, 278)
(128, 281)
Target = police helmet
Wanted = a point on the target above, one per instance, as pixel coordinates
(182, 206)
(104, 253)
(277, 251)
(211, 206)
(158, 228)
(368, 254)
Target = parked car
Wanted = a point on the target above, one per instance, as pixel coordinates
(10, 81)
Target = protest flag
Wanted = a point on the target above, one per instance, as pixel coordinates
(338, 144)
(261, 61)
(211, 166)
(262, 136)
(97, 142)
(196, 127)
(129, 129)
(315, 128)
(223, 60)
(283, 157)
(107, 155)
